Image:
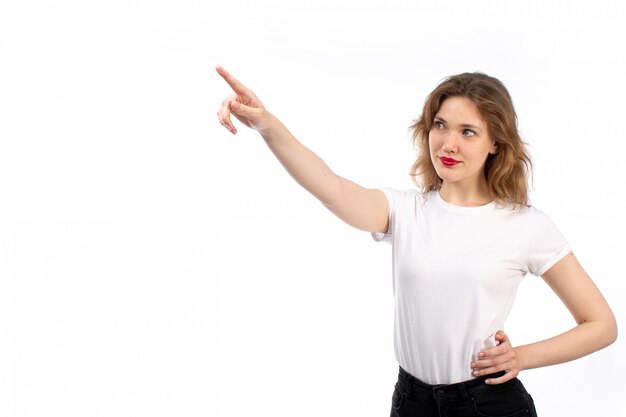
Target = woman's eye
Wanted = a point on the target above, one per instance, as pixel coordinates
(438, 123)
(467, 130)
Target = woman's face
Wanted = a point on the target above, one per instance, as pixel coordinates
(458, 132)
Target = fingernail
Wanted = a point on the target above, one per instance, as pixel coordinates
(481, 354)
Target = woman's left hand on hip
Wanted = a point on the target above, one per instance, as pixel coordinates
(495, 359)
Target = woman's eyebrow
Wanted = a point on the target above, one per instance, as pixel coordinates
(463, 125)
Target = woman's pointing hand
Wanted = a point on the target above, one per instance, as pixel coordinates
(243, 104)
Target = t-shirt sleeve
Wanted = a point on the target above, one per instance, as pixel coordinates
(387, 237)
(547, 244)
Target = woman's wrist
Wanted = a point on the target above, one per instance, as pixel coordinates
(270, 126)
(519, 356)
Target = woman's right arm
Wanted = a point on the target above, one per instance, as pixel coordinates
(363, 208)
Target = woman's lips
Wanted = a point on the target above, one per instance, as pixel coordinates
(448, 161)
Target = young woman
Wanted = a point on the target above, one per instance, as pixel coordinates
(461, 246)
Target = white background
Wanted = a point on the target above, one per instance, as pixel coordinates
(154, 264)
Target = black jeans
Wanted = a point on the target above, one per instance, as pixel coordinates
(472, 398)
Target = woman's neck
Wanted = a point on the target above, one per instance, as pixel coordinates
(464, 196)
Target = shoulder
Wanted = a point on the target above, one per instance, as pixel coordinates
(524, 212)
(539, 226)
(536, 215)
(406, 194)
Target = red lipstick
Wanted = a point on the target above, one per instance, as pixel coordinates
(448, 161)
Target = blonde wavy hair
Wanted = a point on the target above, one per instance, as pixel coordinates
(506, 171)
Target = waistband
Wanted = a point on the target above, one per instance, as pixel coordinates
(415, 386)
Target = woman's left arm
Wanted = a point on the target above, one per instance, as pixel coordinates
(596, 329)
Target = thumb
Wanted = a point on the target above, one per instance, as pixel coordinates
(239, 108)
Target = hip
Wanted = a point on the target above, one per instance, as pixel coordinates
(473, 397)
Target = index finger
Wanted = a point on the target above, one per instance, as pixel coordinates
(237, 86)
(494, 351)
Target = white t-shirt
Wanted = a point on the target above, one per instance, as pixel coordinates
(456, 271)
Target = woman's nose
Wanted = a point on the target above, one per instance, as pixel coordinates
(450, 143)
